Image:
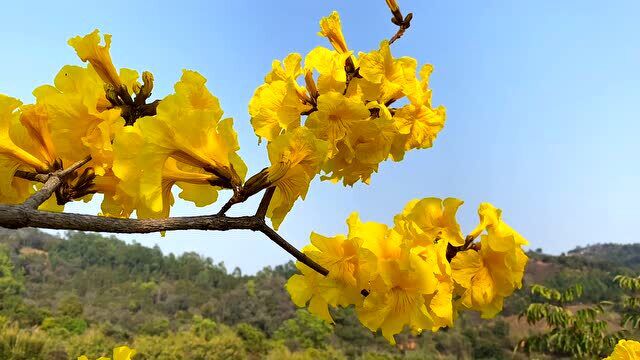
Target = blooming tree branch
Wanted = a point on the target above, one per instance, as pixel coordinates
(338, 125)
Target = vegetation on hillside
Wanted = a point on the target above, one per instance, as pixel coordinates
(86, 294)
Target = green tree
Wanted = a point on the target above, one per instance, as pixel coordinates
(304, 331)
(580, 334)
(630, 300)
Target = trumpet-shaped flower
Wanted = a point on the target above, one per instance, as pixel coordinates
(397, 297)
(418, 122)
(309, 287)
(487, 276)
(152, 193)
(336, 117)
(365, 147)
(296, 158)
(330, 66)
(89, 49)
(17, 151)
(331, 28)
(75, 106)
(428, 221)
(276, 106)
(188, 128)
(9, 123)
(391, 76)
(491, 221)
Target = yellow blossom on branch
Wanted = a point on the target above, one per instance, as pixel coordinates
(89, 49)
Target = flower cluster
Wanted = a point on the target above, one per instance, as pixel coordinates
(419, 273)
(138, 151)
(334, 111)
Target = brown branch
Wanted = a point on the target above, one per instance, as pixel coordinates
(19, 216)
(402, 27)
(299, 255)
(264, 203)
(31, 176)
(52, 184)
(40, 196)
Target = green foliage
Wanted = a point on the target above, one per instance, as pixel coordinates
(581, 334)
(64, 325)
(9, 284)
(304, 331)
(185, 345)
(17, 344)
(630, 300)
(93, 293)
(255, 341)
(71, 306)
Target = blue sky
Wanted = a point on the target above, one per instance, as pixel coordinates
(542, 100)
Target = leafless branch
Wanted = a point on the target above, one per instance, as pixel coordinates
(264, 203)
(52, 184)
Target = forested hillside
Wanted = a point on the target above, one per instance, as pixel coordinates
(85, 294)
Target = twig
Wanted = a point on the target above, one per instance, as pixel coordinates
(264, 203)
(27, 175)
(299, 255)
(52, 184)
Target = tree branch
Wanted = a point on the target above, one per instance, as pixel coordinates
(31, 176)
(52, 184)
(264, 203)
(299, 255)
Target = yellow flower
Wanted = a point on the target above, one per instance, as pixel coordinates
(150, 191)
(487, 276)
(335, 118)
(290, 68)
(310, 287)
(75, 107)
(274, 107)
(341, 256)
(9, 120)
(397, 298)
(366, 146)
(187, 128)
(491, 220)
(428, 221)
(330, 66)
(418, 122)
(391, 76)
(295, 158)
(440, 303)
(89, 49)
(119, 353)
(625, 350)
(17, 149)
(331, 28)
(115, 202)
(36, 120)
(375, 238)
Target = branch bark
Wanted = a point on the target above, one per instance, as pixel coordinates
(52, 183)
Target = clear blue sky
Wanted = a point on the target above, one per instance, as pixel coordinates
(542, 101)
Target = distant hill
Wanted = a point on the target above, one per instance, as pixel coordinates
(87, 281)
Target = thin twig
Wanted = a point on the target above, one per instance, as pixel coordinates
(27, 175)
(402, 27)
(299, 255)
(52, 184)
(264, 203)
